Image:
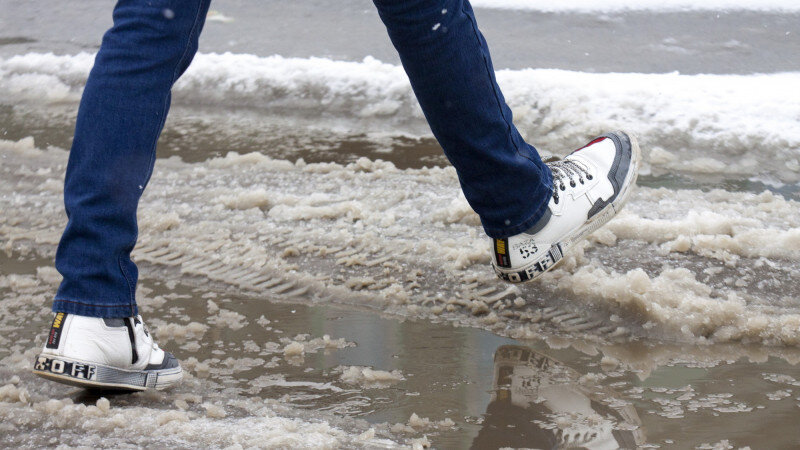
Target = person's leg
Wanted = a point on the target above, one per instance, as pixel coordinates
(122, 112)
(533, 212)
(448, 63)
(97, 338)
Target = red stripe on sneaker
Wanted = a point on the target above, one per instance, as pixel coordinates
(600, 139)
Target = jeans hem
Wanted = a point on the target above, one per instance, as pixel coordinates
(81, 308)
(504, 232)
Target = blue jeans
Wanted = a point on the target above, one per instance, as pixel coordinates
(127, 97)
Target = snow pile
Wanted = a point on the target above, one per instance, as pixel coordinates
(301, 345)
(179, 333)
(293, 350)
(207, 425)
(13, 394)
(717, 224)
(228, 319)
(368, 377)
(417, 424)
(676, 300)
(745, 124)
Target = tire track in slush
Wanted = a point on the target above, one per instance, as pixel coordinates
(402, 242)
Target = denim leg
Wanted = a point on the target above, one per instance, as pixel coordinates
(448, 63)
(122, 112)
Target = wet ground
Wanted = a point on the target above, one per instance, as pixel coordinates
(676, 327)
(498, 392)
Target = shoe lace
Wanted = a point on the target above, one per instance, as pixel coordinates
(567, 170)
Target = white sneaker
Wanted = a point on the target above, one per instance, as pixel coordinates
(97, 353)
(590, 186)
(537, 389)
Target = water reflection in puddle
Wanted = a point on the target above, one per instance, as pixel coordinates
(539, 402)
(462, 387)
(500, 392)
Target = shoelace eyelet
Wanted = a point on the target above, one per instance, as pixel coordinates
(572, 183)
(589, 177)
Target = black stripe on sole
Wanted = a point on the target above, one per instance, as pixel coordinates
(533, 270)
(98, 376)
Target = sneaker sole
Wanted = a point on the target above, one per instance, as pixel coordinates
(553, 256)
(98, 376)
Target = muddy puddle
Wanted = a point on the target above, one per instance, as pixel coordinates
(461, 387)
